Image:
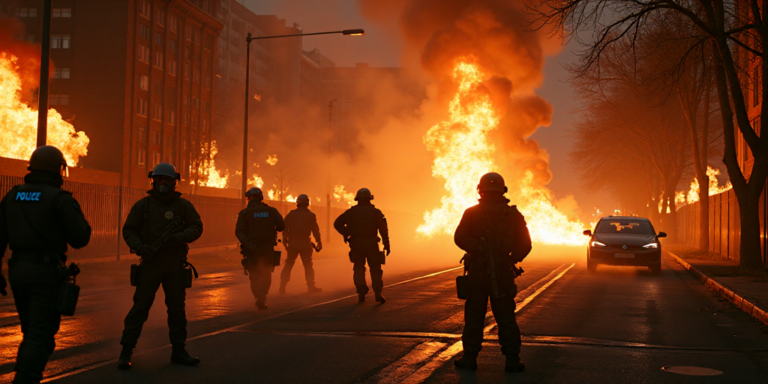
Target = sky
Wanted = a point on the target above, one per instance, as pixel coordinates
(381, 46)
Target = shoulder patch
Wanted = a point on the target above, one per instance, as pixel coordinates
(260, 214)
(28, 196)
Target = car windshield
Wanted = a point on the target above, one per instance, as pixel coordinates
(625, 227)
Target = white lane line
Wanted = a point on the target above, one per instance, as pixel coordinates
(114, 361)
(405, 366)
(428, 369)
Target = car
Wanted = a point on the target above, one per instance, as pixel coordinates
(624, 240)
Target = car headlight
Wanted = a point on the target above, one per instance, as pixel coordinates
(596, 244)
(651, 246)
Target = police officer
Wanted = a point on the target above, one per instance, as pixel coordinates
(257, 227)
(163, 260)
(37, 220)
(299, 224)
(361, 226)
(492, 229)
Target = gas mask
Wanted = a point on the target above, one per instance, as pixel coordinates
(164, 185)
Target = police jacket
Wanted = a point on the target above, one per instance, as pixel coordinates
(502, 227)
(257, 227)
(299, 224)
(39, 217)
(151, 215)
(362, 225)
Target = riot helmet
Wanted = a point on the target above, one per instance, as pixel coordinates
(491, 182)
(48, 159)
(254, 193)
(363, 194)
(302, 200)
(164, 177)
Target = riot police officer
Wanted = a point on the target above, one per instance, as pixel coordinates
(495, 237)
(361, 226)
(37, 220)
(158, 229)
(257, 227)
(299, 224)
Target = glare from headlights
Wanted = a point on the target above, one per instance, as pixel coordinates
(596, 244)
(651, 246)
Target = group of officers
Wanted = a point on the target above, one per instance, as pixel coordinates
(39, 220)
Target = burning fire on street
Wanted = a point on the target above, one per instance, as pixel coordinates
(208, 175)
(19, 121)
(684, 198)
(463, 153)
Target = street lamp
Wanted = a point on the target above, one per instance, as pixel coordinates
(346, 32)
(330, 153)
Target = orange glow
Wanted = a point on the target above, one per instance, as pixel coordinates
(463, 153)
(340, 194)
(683, 198)
(18, 136)
(208, 175)
(272, 159)
(256, 181)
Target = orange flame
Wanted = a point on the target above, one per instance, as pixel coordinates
(681, 198)
(272, 159)
(209, 175)
(340, 194)
(18, 136)
(463, 153)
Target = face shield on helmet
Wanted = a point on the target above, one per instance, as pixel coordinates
(164, 177)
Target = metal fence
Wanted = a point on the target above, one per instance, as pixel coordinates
(724, 225)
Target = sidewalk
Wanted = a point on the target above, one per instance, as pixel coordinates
(749, 293)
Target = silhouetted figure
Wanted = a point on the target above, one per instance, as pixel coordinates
(361, 226)
(299, 224)
(163, 212)
(495, 237)
(257, 227)
(37, 221)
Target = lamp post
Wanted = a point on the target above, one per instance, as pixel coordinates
(346, 32)
(42, 95)
(330, 153)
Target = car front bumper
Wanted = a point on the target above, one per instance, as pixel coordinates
(608, 256)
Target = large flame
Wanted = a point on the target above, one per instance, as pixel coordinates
(463, 154)
(682, 198)
(208, 175)
(18, 121)
(340, 194)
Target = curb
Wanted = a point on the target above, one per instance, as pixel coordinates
(740, 302)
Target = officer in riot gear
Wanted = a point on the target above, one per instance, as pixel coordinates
(361, 227)
(495, 237)
(37, 221)
(257, 228)
(299, 224)
(149, 219)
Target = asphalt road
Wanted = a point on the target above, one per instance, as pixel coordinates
(618, 325)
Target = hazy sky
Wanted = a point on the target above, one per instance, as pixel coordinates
(382, 47)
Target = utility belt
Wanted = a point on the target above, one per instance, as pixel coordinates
(68, 291)
(40, 256)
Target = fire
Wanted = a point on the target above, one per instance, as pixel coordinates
(272, 195)
(272, 159)
(681, 198)
(256, 181)
(463, 153)
(208, 175)
(18, 136)
(340, 194)
(290, 199)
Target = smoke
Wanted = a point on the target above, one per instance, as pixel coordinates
(28, 54)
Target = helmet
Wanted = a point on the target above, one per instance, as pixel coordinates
(363, 194)
(165, 169)
(491, 182)
(255, 192)
(47, 158)
(302, 200)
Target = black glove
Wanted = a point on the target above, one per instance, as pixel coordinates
(319, 246)
(145, 251)
(3, 284)
(387, 249)
(346, 239)
(252, 247)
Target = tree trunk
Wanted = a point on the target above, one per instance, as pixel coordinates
(750, 230)
(704, 160)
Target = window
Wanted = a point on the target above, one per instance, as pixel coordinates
(155, 158)
(141, 157)
(145, 9)
(61, 73)
(196, 75)
(197, 37)
(172, 67)
(159, 60)
(207, 81)
(186, 71)
(142, 135)
(141, 107)
(159, 16)
(189, 32)
(61, 12)
(172, 117)
(628, 226)
(207, 109)
(205, 125)
(194, 122)
(58, 99)
(172, 46)
(172, 23)
(60, 41)
(143, 82)
(158, 39)
(26, 12)
(155, 138)
(144, 31)
(195, 103)
(756, 85)
(185, 120)
(157, 112)
(143, 53)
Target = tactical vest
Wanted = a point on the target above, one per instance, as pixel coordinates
(153, 223)
(32, 223)
(362, 223)
(260, 224)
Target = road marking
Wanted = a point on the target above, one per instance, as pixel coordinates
(404, 367)
(114, 361)
(429, 368)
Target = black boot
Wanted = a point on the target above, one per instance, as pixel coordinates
(380, 298)
(361, 297)
(124, 362)
(283, 284)
(313, 289)
(26, 378)
(467, 361)
(261, 305)
(181, 356)
(514, 364)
